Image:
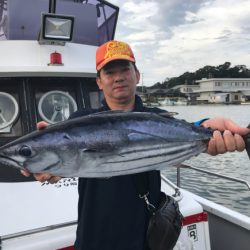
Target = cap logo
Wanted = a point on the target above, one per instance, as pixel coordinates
(116, 49)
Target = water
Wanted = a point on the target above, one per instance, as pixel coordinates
(231, 194)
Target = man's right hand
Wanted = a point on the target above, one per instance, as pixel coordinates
(42, 177)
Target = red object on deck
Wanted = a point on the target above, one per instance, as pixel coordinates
(55, 58)
(67, 248)
(195, 218)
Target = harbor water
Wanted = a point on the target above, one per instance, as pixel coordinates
(231, 194)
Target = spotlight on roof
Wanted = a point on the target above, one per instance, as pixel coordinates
(56, 29)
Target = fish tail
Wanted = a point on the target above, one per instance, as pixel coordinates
(247, 142)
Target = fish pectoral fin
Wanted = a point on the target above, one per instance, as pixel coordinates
(98, 150)
(168, 114)
(89, 150)
(137, 136)
(121, 155)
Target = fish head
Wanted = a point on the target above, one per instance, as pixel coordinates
(28, 155)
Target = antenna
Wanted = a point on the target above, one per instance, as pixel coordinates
(52, 6)
(142, 86)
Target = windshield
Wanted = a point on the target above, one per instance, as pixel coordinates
(95, 20)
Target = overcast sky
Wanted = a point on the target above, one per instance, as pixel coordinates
(170, 37)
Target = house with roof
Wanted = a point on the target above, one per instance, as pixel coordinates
(223, 90)
(152, 95)
(190, 91)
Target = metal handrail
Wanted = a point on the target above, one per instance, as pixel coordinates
(209, 173)
(37, 230)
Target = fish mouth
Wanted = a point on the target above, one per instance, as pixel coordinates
(51, 166)
(9, 162)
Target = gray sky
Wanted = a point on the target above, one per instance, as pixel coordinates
(170, 37)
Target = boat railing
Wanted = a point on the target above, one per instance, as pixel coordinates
(37, 230)
(186, 166)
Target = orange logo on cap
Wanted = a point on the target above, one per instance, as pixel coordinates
(116, 49)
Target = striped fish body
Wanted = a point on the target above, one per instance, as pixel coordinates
(107, 144)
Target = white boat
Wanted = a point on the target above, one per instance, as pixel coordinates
(40, 81)
(181, 101)
(168, 101)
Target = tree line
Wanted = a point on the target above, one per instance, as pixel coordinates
(222, 71)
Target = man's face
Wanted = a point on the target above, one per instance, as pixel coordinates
(118, 81)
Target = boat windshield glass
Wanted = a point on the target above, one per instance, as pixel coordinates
(95, 20)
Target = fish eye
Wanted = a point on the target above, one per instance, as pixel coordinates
(25, 151)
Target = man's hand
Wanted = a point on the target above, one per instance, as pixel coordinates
(42, 177)
(229, 140)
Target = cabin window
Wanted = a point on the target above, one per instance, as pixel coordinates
(9, 111)
(96, 98)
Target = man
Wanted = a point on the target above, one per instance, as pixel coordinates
(111, 216)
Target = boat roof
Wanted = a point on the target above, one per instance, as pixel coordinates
(95, 20)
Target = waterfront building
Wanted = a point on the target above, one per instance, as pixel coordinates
(206, 90)
(223, 90)
(190, 91)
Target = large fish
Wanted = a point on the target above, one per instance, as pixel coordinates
(107, 144)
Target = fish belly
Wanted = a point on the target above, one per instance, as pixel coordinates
(138, 159)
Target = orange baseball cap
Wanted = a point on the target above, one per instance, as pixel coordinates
(113, 50)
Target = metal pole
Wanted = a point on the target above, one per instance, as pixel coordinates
(52, 6)
(179, 177)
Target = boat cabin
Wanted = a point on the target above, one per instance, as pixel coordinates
(44, 81)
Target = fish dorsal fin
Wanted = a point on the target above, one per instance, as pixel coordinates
(168, 114)
(109, 112)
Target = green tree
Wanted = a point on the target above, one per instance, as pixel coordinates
(221, 71)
